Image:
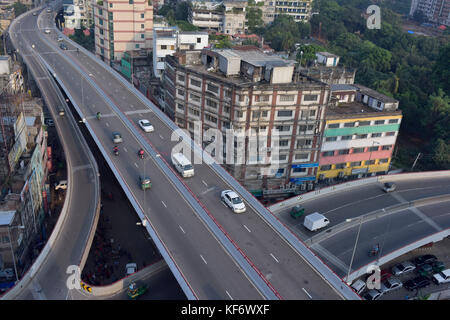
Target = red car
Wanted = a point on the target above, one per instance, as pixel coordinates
(385, 275)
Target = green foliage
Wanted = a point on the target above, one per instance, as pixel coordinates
(186, 26)
(223, 44)
(309, 53)
(19, 8)
(441, 69)
(254, 17)
(283, 33)
(87, 42)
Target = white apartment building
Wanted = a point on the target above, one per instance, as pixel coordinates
(78, 14)
(169, 40)
(300, 10)
(206, 15)
(122, 26)
(234, 20)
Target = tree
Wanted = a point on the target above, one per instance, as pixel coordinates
(19, 8)
(441, 69)
(182, 10)
(309, 53)
(254, 17)
(441, 154)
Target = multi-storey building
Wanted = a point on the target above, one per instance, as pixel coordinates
(234, 19)
(206, 15)
(299, 10)
(122, 26)
(168, 40)
(361, 129)
(437, 11)
(251, 92)
(78, 14)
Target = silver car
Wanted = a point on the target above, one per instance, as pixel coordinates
(403, 268)
(389, 187)
(390, 285)
(117, 137)
(373, 295)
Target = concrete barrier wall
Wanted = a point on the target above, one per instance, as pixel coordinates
(122, 284)
(342, 187)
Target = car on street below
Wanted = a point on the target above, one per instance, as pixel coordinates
(417, 283)
(233, 201)
(441, 277)
(63, 46)
(373, 295)
(425, 259)
(146, 125)
(390, 285)
(47, 31)
(61, 112)
(389, 187)
(131, 268)
(117, 137)
(49, 122)
(403, 268)
(145, 182)
(34, 13)
(297, 211)
(60, 39)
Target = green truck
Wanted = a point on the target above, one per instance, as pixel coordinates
(145, 182)
(134, 291)
(297, 211)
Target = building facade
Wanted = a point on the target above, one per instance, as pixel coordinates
(169, 40)
(437, 11)
(234, 17)
(299, 10)
(361, 129)
(78, 14)
(206, 15)
(254, 94)
(122, 26)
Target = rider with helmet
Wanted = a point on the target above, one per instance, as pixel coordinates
(141, 153)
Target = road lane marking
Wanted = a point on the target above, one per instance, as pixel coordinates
(229, 295)
(274, 258)
(182, 229)
(207, 190)
(163, 203)
(204, 183)
(247, 228)
(307, 293)
(161, 137)
(125, 149)
(203, 259)
(107, 124)
(136, 165)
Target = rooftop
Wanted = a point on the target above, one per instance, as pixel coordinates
(355, 109)
(328, 54)
(342, 87)
(375, 94)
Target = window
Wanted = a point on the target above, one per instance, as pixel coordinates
(358, 150)
(239, 114)
(376, 135)
(344, 151)
(226, 124)
(194, 97)
(110, 5)
(283, 128)
(137, 46)
(302, 128)
(369, 162)
(196, 83)
(180, 92)
(326, 167)
(383, 160)
(388, 134)
(364, 123)
(241, 97)
(284, 113)
(298, 170)
(180, 106)
(227, 93)
(212, 88)
(312, 113)
(330, 139)
(361, 136)
(286, 97)
(102, 41)
(181, 78)
(301, 156)
(130, 1)
(386, 147)
(346, 137)
(142, 26)
(210, 118)
(194, 112)
(372, 149)
(355, 164)
(328, 154)
(211, 103)
(226, 109)
(284, 143)
(163, 47)
(142, 15)
(333, 125)
(100, 11)
(100, 21)
(379, 121)
(199, 40)
(142, 36)
(393, 121)
(282, 157)
(310, 97)
(349, 124)
(341, 166)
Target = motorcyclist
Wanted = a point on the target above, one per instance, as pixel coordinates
(116, 149)
(98, 115)
(141, 153)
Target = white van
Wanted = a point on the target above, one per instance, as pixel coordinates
(315, 221)
(183, 165)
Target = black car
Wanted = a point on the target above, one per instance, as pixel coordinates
(416, 283)
(425, 259)
(63, 46)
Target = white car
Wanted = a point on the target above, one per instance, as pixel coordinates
(131, 268)
(146, 125)
(233, 201)
(390, 285)
(441, 277)
(47, 31)
(403, 268)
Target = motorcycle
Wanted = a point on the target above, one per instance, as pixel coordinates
(116, 152)
(98, 115)
(141, 155)
(374, 251)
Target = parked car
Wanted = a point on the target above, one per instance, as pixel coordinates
(389, 187)
(63, 46)
(426, 270)
(7, 273)
(34, 13)
(47, 31)
(61, 185)
(390, 285)
(384, 275)
(417, 283)
(425, 259)
(358, 286)
(50, 122)
(438, 266)
(441, 277)
(60, 39)
(131, 268)
(373, 295)
(146, 125)
(233, 201)
(403, 268)
(117, 137)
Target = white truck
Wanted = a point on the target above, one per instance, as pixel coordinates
(315, 221)
(183, 165)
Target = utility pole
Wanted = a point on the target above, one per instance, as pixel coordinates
(415, 161)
